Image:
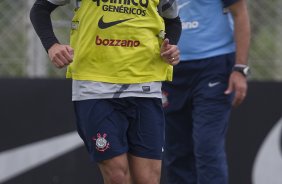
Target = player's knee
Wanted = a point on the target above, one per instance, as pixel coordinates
(119, 177)
(152, 177)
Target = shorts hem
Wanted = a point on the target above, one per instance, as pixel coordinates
(154, 157)
(107, 157)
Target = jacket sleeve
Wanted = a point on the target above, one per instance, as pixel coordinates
(227, 3)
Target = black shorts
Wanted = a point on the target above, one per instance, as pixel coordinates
(111, 127)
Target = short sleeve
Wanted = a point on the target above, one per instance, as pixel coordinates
(227, 3)
(168, 9)
(59, 2)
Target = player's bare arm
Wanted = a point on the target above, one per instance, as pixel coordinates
(237, 81)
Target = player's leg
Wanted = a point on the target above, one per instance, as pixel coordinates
(211, 109)
(179, 159)
(115, 170)
(145, 171)
(146, 139)
(103, 128)
(209, 133)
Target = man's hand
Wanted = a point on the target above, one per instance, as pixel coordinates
(60, 55)
(170, 53)
(237, 84)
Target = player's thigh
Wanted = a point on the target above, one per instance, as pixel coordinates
(102, 127)
(146, 131)
(211, 113)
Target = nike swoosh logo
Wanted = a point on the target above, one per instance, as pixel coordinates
(105, 25)
(19, 160)
(212, 84)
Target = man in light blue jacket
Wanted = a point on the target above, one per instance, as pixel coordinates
(211, 76)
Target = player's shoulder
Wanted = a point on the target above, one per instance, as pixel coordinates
(167, 2)
(168, 8)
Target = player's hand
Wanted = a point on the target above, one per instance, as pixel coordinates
(60, 55)
(237, 84)
(170, 53)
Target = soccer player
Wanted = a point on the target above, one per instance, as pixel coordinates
(212, 70)
(120, 51)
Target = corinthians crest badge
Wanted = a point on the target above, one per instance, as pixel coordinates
(101, 142)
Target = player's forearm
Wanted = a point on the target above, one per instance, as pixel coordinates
(173, 30)
(41, 21)
(242, 33)
(242, 39)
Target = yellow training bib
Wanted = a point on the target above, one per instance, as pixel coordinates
(118, 41)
